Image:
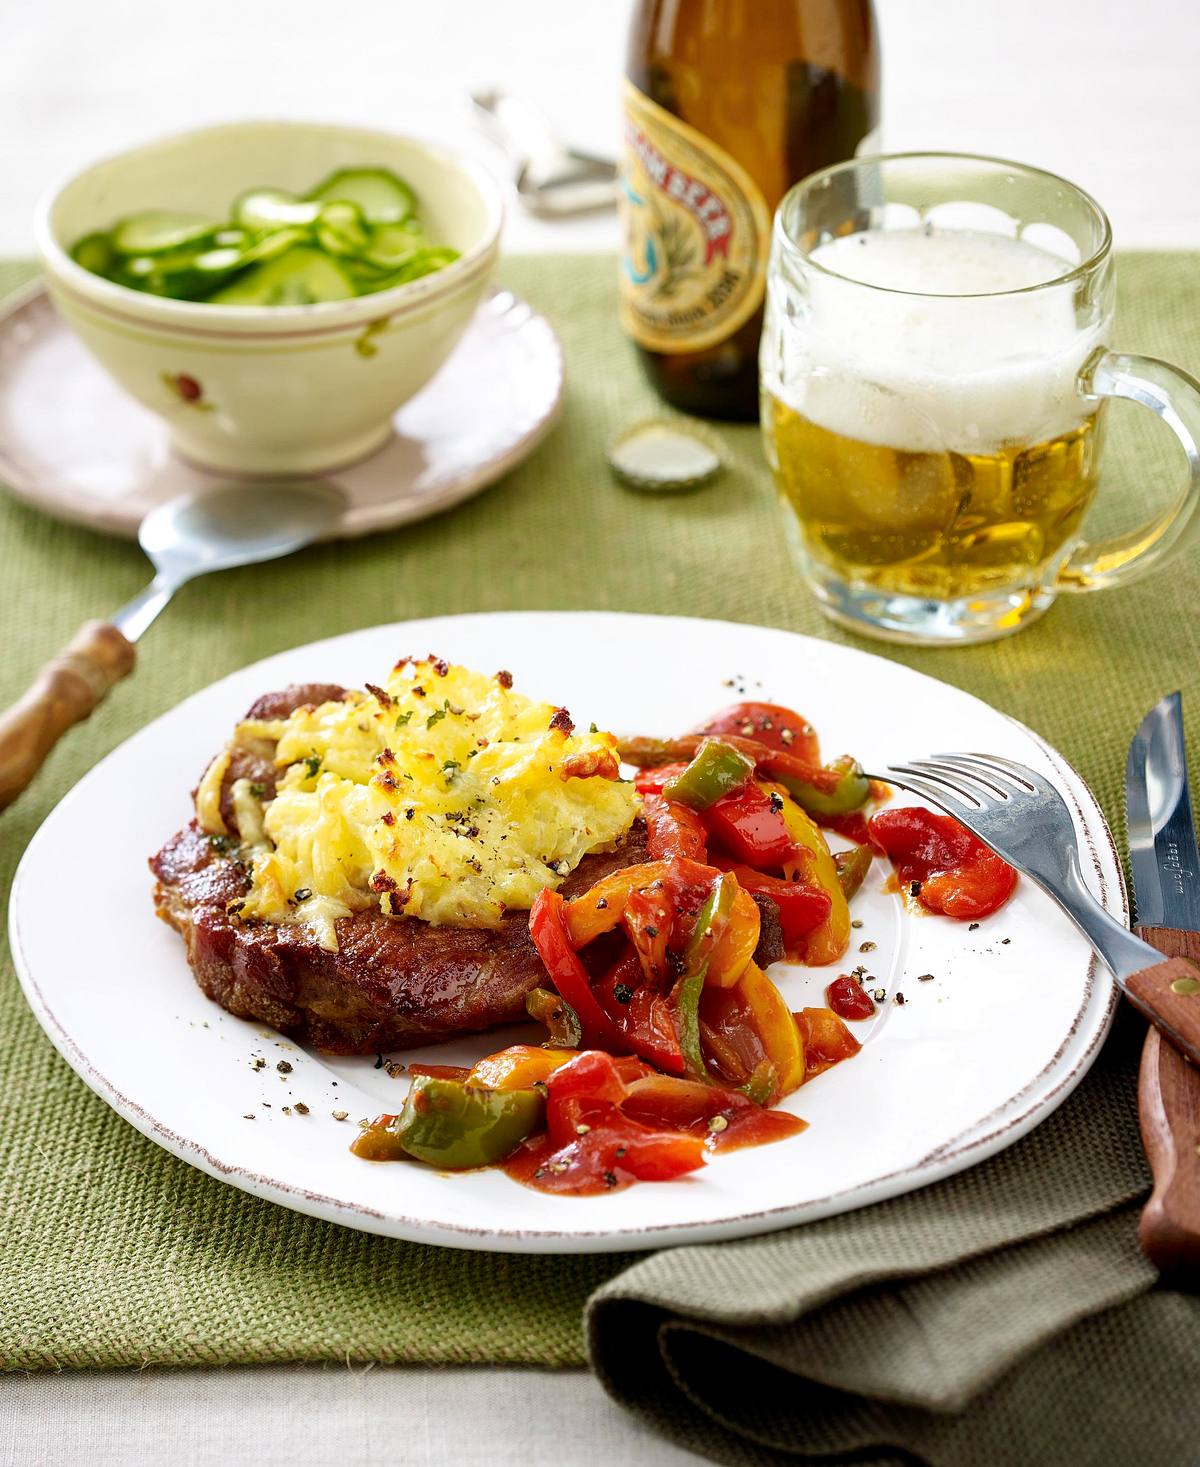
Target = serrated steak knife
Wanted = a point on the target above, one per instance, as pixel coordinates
(1165, 861)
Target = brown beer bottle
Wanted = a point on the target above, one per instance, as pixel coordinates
(727, 104)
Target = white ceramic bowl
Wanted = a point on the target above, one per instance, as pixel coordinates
(271, 389)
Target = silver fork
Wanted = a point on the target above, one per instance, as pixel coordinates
(1024, 819)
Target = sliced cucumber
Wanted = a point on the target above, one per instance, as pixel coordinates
(232, 236)
(268, 243)
(271, 208)
(424, 262)
(355, 234)
(301, 276)
(382, 197)
(391, 244)
(95, 253)
(341, 228)
(158, 230)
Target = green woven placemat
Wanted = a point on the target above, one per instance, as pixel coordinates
(116, 1254)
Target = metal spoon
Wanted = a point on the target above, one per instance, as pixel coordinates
(238, 524)
(552, 180)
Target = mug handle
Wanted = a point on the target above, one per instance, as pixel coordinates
(1175, 397)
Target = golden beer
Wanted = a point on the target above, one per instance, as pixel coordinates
(933, 525)
(922, 415)
(933, 371)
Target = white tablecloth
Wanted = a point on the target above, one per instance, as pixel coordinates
(1101, 91)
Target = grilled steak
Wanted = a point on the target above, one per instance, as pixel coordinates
(393, 982)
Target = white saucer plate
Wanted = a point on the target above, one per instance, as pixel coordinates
(1008, 1023)
(76, 446)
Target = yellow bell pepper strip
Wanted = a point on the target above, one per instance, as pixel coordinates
(717, 769)
(602, 906)
(561, 1020)
(829, 940)
(551, 936)
(519, 1067)
(736, 945)
(776, 1028)
(454, 1125)
(801, 907)
(852, 867)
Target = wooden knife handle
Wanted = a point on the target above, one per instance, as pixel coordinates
(1169, 1109)
(1168, 993)
(63, 694)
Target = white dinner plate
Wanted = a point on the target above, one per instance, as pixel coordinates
(1007, 1025)
(74, 445)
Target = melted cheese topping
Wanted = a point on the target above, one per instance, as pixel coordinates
(443, 795)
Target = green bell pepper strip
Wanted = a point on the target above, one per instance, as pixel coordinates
(710, 923)
(852, 867)
(717, 770)
(561, 1020)
(851, 790)
(453, 1125)
(762, 1083)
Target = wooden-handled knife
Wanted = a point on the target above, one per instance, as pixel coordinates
(1165, 862)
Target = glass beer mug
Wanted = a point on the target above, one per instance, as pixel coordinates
(934, 370)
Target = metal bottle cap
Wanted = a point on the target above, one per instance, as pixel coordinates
(665, 456)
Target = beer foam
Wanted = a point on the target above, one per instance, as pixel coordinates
(936, 358)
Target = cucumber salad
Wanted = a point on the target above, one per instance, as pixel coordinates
(355, 233)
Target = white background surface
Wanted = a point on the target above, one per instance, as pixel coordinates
(1101, 90)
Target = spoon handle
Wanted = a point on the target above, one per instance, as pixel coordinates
(64, 692)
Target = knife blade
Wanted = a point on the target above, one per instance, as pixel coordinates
(1165, 861)
(1162, 839)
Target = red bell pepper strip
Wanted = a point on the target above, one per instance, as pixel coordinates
(547, 927)
(748, 823)
(852, 826)
(651, 781)
(589, 1145)
(769, 724)
(673, 830)
(643, 1014)
(941, 864)
(649, 918)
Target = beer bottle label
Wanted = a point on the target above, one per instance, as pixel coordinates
(697, 233)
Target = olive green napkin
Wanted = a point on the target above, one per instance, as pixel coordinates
(963, 1324)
